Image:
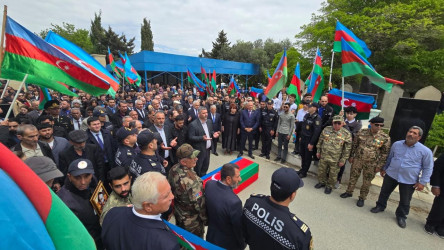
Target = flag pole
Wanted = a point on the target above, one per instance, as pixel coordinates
(4, 89)
(331, 69)
(15, 97)
(342, 103)
(5, 13)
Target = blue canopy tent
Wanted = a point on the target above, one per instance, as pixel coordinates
(157, 64)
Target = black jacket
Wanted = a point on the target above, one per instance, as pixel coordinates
(196, 133)
(110, 145)
(167, 131)
(91, 152)
(437, 178)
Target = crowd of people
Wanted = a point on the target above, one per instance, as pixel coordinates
(152, 147)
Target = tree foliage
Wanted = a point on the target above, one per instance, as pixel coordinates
(97, 34)
(147, 36)
(406, 37)
(436, 134)
(293, 57)
(80, 37)
(221, 48)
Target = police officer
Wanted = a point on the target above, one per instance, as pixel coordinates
(268, 222)
(309, 130)
(149, 159)
(269, 121)
(126, 150)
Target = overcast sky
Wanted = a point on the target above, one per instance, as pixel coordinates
(179, 26)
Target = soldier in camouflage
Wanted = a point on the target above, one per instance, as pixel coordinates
(334, 147)
(120, 183)
(187, 188)
(368, 155)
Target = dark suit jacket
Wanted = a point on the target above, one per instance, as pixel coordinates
(192, 114)
(143, 114)
(217, 121)
(109, 111)
(437, 178)
(91, 152)
(196, 133)
(224, 216)
(249, 122)
(109, 145)
(167, 131)
(116, 119)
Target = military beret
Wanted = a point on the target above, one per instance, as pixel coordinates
(52, 104)
(377, 119)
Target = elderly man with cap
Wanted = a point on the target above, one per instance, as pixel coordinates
(45, 168)
(52, 108)
(79, 149)
(76, 193)
(269, 122)
(187, 187)
(268, 222)
(334, 147)
(141, 226)
(308, 130)
(368, 155)
(126, 151)
(148, 159)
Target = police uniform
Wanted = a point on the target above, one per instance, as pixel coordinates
(268, 225)
(309, 130)
(64, 122)
(269, 121)
(124, 156)
(146, 163)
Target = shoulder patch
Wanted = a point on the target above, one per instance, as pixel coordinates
(257, 195)
(317, 123)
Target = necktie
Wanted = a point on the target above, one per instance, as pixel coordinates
(78, 123)
(99, 141)
(249, 113)
(195, 111)
(213, 119)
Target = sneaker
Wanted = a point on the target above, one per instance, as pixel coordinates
(337, 185)
(429, 229)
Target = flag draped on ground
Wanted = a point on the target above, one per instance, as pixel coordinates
(343, 33)
(363, 103)
(279, 78)
(296, 84)
(200, 86)
(354, 64)
(36, 217)
(316, 78)
(83, 58)
(45, 65)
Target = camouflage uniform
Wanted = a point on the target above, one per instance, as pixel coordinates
(334, 147)
(114, 201)
(189, 201)
(369, 154)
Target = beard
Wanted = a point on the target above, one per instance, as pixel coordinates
(124, 194)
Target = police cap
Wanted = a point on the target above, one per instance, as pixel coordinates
(286, 180)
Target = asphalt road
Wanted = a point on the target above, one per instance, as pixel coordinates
(338, 223)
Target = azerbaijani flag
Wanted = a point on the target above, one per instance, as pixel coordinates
(79, 55)
(316, 78)
(204, 79)
(117, 71)
(200, 86)
(233, 88)
(279, 79)
(189, 240)
(213, 81)
(295, 84)
(132, 77)
(354, 64)
(44, 97)
(33, 216)
(343, 33)
(255, 92)
(363, 103)
(45, 65)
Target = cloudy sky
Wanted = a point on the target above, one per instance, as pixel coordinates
(179, 26)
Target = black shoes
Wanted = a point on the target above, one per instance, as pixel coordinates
(377, 209)
(268, 157)
(319, 185)
(283, 161)
(261, 155)
(295, 153)
(401, 222)
(429, 229)
(327, 191)
(277, 158)
(251, 156)
(346, 195)
(216, 154)
(239, 155)
(360, 203)
(302, 175)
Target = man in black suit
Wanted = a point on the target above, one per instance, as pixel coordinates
(104, 140)
(249, 120)
(111, 108)
(217, 124)
(200, 134)
(142, 113)
(193, 112)
(116, 119)
(164, 148)
(224, 209)
(435, 220)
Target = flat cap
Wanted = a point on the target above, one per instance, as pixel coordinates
(78, 136)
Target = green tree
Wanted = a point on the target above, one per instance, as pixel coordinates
(293, 57)
(97, 34)
(406, 37)
(147, 36)
(80, 37)
(435, 136)
(221, 48)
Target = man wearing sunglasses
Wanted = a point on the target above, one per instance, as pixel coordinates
(368, 155)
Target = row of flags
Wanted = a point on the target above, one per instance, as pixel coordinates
(354, 55)
(124, 70)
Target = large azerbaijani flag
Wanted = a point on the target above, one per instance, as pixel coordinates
(363, 103)
(255, 92)
(279, 78)
(296, 84)
(33, 216)
(233, 88)
(131, 73)
(79, 55)
(343, 33)
(354, 64)
(200, 86)
(45, 65)
(316, 78)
